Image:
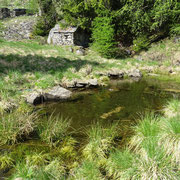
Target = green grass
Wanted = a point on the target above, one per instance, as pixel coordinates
(172, 108)
(170, 137)
(53, 129)
(147, 128)
(16, 125)
(88, 170)
(100, 140)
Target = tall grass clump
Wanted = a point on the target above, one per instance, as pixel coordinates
(121, 164)
(147, 128)
(88, 170)
(100, 141)
(170, 137)
(53, 128)
(172, 108)
(15, 125)
(153, 163)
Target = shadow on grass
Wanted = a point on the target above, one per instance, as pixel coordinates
(36, 63)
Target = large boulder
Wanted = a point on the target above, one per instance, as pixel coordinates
(57, 93)
(35, 98)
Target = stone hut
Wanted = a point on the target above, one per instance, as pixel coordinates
(68, 36)
(18, 12)
(4, 13)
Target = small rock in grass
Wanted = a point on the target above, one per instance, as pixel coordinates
(136, 73)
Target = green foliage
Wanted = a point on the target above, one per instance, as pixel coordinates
(88, 170)
(53, 129)
(15, 125)
(140, 43)
(47, 19)
(103, 36)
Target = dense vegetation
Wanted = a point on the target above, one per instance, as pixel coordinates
(116, 23)
(38, 144)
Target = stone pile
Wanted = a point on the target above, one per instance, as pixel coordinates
(19, 31)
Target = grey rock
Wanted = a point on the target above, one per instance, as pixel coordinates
(57, 93)
(80, 52)
(136, 73)
(116, 73)
(71, 50)
(93, 82)
(35, 98)
(177, 39)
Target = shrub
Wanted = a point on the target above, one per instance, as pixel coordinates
(103, 36)
(141, 43)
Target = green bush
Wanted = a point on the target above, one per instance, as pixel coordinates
(103, 36)
(141, 43)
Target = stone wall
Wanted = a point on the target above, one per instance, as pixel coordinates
(19, 30)
(61, 38)
(4, 13)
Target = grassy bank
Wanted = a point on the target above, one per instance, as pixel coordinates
(28, 65)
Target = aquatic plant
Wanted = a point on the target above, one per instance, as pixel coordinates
(15, 125)
(147, 128)
(170, 137)
(172, 108)
(88, 170)
(55, 170)
(5, 161)
(37, 159)
(53, 128)
(100, 141)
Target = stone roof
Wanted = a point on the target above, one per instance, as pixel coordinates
(68, 29)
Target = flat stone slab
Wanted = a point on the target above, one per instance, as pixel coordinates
(57, 93)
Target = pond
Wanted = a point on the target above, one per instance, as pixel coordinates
(123, 100)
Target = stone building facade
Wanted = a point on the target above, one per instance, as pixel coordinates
(68, 36)
(4, 13)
